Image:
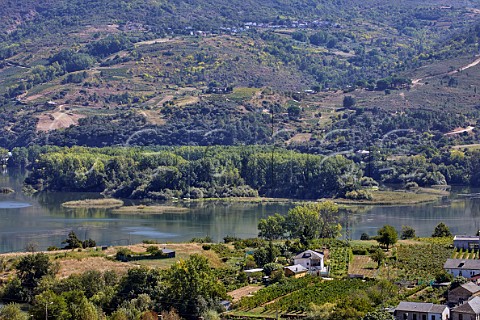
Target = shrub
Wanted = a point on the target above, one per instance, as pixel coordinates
(364, 236)
(228, 239)
(123, 253)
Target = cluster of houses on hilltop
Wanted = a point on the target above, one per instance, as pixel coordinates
(463, 302)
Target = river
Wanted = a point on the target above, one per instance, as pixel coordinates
(41, 220)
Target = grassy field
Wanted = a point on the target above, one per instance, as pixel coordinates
(80, 260)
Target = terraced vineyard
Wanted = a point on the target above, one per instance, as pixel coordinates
(465, 254)
(327, 291)
(277, 290)
(339, 259)
(422, 262)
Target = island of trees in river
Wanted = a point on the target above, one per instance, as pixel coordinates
(164, 173)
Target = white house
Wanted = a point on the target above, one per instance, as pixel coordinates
(462, 267)
(312, 260)
(421, 311)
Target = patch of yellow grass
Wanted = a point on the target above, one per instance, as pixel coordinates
(93, 203)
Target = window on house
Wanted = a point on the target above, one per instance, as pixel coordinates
(414, 316)
(433, 318)
(424, 317)
(460, 316)
(405, 316)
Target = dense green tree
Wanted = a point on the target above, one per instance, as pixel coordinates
(203, 291)
(408, 232)
(387, 236)
(72, 241)
(272, 228)
(443, 276)
(50, 305)
(31, 268)
(378, 256)
(441, 230)
(140, 281)
(310, 221)
(457, 281)
(12, 311)
(265, 255)
(349, 102)
(294, 111)
(300, 36)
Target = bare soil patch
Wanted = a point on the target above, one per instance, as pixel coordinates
(57, 119)
(154, 41)
(363, 265)
(242, 292)
(153, 117)
(300, 138)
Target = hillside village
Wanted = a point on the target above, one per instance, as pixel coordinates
(463, 300)
(460, 299)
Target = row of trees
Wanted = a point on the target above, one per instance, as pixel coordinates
(193, 172)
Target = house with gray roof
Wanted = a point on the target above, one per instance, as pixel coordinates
(421, 311)
(296, 271)
(466, 242)
(470, 310)
(462, 267)
(462, 293)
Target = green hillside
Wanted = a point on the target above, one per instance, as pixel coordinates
(95, 72)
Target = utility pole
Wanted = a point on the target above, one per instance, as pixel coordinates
(46, 309)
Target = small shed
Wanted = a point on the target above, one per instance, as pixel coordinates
(226, 304)
(296, 271)
(169, 253)
(251, 271)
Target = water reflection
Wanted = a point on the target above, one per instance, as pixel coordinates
(13, 205)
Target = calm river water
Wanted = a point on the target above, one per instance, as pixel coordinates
(42, 220)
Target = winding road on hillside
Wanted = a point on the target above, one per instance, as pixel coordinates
(468, 66)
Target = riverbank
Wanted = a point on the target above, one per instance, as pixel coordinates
(246, 199)
(141, 209)
(93, 203)
(384, 197)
